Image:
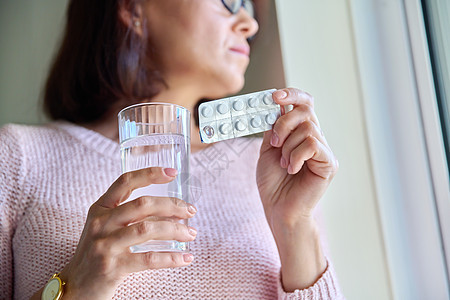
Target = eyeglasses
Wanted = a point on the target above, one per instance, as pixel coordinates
(234, 6)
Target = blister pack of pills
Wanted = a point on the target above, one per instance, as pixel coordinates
(237, 116)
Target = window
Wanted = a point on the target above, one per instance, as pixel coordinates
(437, 23)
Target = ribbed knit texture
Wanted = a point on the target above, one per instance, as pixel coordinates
(50, 175)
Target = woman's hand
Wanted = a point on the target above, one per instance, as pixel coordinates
(103, 259)
(295, 167)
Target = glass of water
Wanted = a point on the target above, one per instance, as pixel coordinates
(157, 135)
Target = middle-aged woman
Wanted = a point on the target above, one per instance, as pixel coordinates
(60, 186)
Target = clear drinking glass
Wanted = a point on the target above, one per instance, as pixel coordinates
(157, 135)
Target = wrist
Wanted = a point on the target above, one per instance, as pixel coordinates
(290, 227)
(84, 285)
(68, 287)
(300, 250)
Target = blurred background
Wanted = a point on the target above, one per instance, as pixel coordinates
(379, 72)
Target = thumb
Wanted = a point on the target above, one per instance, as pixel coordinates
(122, 188)
(266, 141)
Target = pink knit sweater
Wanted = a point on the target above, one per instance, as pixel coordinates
(50, 175)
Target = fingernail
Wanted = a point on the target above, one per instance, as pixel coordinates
(188, 257)
(274, 140)
(192, 231)
(170, 172)
(283, 162)
(192, 209)
(290, 169)
(280, 94)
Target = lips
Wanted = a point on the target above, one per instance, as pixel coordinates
(243, 49)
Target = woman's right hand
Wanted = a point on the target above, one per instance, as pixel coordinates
(103, 259)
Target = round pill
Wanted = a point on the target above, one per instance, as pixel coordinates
(271, 118)
(268, 99)
(222, 108)
(209, 131)
(225, 128)
(240, 125)
(253, 102)
(207, 111)
(238, 105)
(255, 122)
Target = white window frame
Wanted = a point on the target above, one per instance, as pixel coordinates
(406, 143)
(430, 118)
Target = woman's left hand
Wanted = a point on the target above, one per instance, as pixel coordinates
(296, 165)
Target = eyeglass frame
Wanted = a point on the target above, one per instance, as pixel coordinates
(242, 5)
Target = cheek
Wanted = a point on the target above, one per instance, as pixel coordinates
(205, 45)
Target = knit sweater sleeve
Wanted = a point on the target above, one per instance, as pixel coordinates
(326, 287)
(11, 177)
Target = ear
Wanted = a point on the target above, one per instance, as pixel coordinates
(131, 15)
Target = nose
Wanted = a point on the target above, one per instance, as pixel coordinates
(246, 24)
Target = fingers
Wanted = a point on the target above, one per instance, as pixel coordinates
(299, 135)
(156, 260)
(143, 207)
(122, 188)
(303, 110)
(292, 96)
(104, 247)
(144, 231)
(290, 122)
(311, 149)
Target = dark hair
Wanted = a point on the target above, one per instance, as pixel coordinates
(101, 63)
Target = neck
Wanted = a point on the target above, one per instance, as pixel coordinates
(188, 99)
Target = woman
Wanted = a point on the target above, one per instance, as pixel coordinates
(257, 238)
